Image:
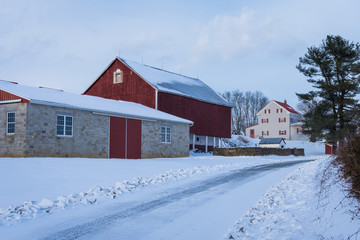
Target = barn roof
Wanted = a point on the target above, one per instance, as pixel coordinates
(169, 82)
(53, 97)
(271, 141)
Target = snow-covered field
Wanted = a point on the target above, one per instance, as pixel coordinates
(34, 187)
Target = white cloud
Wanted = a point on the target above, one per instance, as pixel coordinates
(229, 36)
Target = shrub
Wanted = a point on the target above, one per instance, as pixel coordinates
(348, 161)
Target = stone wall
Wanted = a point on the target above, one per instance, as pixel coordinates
(13, 145)
(90, 133)
(257, 151)
(151, 145)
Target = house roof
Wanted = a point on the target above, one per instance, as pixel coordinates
(53, 97)
(169, 82)
(252, 125)
(271, 141)
(287, 107)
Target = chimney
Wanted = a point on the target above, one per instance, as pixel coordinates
(285, 101)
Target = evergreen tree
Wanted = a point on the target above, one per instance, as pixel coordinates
(333, 68)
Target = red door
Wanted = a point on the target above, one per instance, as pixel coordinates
(125, 138)
(252, 133)
(117, 137)
(133, 143)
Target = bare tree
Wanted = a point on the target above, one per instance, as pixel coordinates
(245, 107)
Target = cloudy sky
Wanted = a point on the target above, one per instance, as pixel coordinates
(244, 44)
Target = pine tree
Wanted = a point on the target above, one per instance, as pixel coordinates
(333, 69)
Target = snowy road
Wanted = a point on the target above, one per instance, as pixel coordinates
(191, 209)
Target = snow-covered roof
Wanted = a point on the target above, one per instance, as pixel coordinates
(169, 82)
(271, 141)
(53, 97)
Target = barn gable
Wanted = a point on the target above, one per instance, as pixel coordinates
(133, 88)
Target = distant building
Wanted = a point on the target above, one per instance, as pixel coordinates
(277, 120)
(272, 143)
(179, 95)
(41, 122)
(330, 148)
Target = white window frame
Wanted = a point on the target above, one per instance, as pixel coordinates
(165, 134)
(119, 73)
(10, 123)
(64, 125)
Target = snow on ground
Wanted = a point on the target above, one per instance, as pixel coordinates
(35, 186)
(299, 207)
(292, 209)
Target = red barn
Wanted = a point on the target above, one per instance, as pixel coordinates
(169, 92)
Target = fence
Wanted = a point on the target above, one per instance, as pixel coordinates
(258, 151)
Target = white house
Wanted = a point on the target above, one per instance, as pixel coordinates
(277, 120)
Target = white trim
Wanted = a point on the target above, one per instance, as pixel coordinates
(10, 101)
(109, 129)
(206, 144)
(167, 132)
(116, 73)
(156, 98)
(7, 123)
(126, 128)
(72, 125)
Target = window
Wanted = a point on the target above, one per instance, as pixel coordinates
(282, 119)
(282, 132)
(265, 120)
(10, 125)
(118, 76)
(165, 134)
(64, 125)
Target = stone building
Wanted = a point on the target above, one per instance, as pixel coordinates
(42, 122)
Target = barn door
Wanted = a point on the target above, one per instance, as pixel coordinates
(125, 138)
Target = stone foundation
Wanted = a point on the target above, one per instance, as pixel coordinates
(257, 151)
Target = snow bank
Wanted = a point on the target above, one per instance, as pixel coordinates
(32, 209)
(244, 141)
(299, 207)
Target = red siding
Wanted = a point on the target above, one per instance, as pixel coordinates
(125, 138)
(209, 119)
(5, 96)
(133, 88)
